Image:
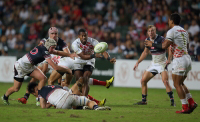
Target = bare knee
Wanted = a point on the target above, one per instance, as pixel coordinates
(16, 89)
(165, 82)
(143, 82)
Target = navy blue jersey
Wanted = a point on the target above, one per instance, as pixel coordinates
(60, 44)
(38, 54)
(47, 90)
(154, 51)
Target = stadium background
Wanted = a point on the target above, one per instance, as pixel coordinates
(120, 23)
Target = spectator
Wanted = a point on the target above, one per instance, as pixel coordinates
(99, 5)
(19, 43)
(139, 23)
(194, 28)
(132, 31)
(11, 41)
(3, 46)
(10, 30)
(130, 50)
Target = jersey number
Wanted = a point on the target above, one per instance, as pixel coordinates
(34, 51)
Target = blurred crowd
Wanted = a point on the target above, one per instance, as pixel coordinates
(120, 23)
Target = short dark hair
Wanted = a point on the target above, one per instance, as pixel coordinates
(176, 18)
(82, 30)
(31, 87)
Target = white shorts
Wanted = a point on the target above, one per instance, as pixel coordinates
(80, 63)
(20, 72)
(72, 100)
(66, 62)
(182, 65)
(155, 68)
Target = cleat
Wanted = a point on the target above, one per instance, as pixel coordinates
(22, 100)
(109, 82)
(102, 103)
(173, 104)
(5, 101)
(140, 103)
(193, 106)
(86, 108)
(103, 108)
(184, 111)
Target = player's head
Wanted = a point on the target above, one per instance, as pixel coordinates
(50, 44)
(174, 19)
(53, 33)
(82, 35)
(151, 31)
(33, 88)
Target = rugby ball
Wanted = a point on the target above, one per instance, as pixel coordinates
(101, 47)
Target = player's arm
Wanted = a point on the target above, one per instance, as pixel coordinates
(163, 45)
(142, 57)
(107, 57)
(58, 68)
(45, 68)
(44, 104)
(87, 57)
(64, 54)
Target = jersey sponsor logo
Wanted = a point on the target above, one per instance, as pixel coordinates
(181, 30)
(34, 51)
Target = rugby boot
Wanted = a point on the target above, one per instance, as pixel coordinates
(109, 82)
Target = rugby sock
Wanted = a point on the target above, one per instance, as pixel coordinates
(95, 107)
(144, 98)
(26, 96)
(189, 98)
(171, 96)
(4, 97)
(183, 101)
(91, 98)
(97, 82)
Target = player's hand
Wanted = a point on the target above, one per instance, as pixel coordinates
(148, 43)
(168, 62)
(40, 44)
(113, 60)
(98, 55)
(136, 66)
(73, 55)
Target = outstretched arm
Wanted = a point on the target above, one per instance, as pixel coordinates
(107, 57)
(142, 57)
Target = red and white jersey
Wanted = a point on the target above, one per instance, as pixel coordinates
(180, 39)
(87, 49)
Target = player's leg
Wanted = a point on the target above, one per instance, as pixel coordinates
(100, 103)
(39, 75)
(66, 80)
(24, 99)
(53, 77)
(106, 83)
(145, 78)
(14, 88)
(168, 87)
(192, 103)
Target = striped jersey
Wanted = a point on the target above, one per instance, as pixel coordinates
(158, 55)
(180, 39)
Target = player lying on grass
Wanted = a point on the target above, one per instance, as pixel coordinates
(62, 98)
(27, 66)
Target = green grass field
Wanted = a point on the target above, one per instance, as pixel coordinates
(119, 99)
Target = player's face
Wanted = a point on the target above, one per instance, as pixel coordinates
(83, 37)
(36, 91)
(152, 32)
(54, 35)
(51, 49)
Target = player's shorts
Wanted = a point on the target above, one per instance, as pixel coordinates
(156, 68)
(21, 71)
(70, 100)
(66, 62)
(182, 65)
(85, 65)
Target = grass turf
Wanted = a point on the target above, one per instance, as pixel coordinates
(119, 99)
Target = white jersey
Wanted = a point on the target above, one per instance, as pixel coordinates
(87, 49)
(56, 96)
(180, 39)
